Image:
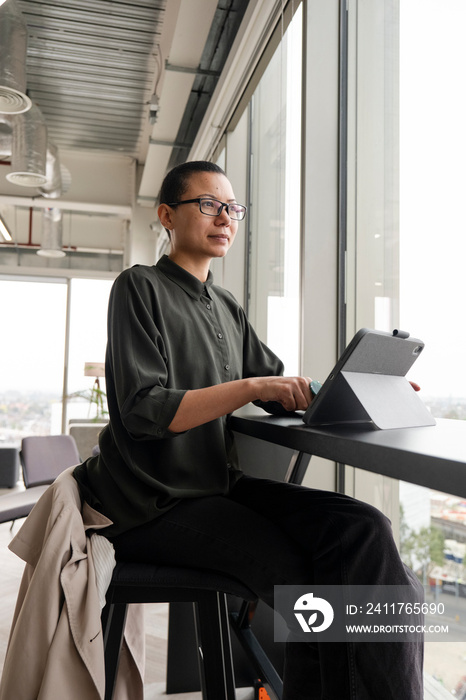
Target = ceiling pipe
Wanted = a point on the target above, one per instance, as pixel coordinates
(52, 234)
(53, 186)
(8, 243)
(13, 42)
(29, 149)
(5, 139)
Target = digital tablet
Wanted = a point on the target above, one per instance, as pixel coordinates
(368, 384)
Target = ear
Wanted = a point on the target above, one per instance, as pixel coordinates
(165, 214)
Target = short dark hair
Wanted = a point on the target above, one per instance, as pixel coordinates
(175, 182)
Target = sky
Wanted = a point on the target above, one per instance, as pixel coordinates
(432, 189)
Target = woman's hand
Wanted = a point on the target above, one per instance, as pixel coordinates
(293, 393)
(199, 406)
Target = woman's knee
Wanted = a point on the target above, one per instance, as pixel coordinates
(372, 525)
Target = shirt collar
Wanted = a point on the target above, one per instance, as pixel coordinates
(184, 279)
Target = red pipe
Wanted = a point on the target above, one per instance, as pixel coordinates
(30, 244)
(30, 226)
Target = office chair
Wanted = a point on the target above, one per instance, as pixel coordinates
(43, 458)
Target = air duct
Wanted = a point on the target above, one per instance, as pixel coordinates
(13, 42)
(53, 185)
(52, 234)
(29, 149)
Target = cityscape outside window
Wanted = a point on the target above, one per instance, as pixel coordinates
(31, 356)
(32, 363)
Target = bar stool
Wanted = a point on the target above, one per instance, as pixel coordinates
(143, 583)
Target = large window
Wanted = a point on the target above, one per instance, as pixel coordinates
(87, 342)
(405, 255)
(275, 199)
(432, 157)
(32, 355)
(432, 253)
(51, 327)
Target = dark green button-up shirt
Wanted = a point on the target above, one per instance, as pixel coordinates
(167, 333)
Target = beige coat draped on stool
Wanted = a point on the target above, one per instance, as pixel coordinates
(55, 648)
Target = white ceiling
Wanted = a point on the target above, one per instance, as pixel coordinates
(92, 67)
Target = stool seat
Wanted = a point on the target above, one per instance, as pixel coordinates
(207, 590)
(145, 578)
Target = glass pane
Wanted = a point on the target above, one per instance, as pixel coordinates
(32, 356)
(372, 275)
(432, 156)
(88, 339)
(433, 544)
(410, 275)
(275, 199)
(432, 252)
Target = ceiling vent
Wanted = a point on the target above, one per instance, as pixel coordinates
(13, 40)
(29, 149)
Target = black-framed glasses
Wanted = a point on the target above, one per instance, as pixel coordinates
(214, 207)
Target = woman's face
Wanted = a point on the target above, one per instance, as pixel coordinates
(196, 235)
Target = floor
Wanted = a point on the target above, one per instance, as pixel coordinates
(157, 690)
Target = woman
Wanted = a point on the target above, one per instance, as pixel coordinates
(181, 357)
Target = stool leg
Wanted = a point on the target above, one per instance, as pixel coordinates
(214, 646)
(113, 627)
(226, 642)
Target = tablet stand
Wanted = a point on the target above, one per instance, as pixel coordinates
(386, 401)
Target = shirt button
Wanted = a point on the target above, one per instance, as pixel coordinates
(227, 367)
(220, 335)
(208, 306)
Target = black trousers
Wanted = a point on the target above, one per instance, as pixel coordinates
(268, 533)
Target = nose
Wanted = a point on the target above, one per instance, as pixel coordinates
(224, 214)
